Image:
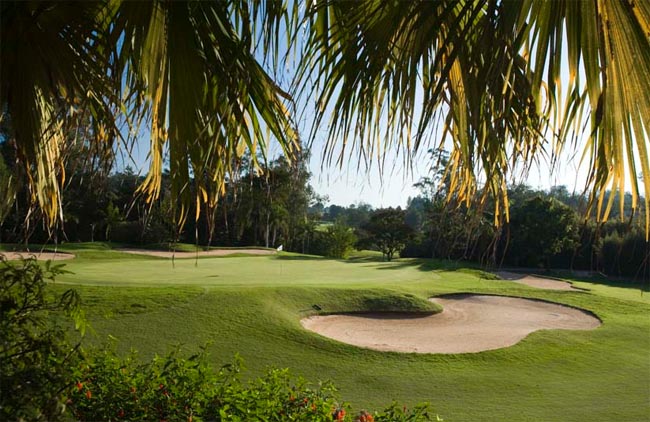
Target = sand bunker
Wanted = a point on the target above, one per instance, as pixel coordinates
(534, 281)
(213, 252)
(41, 256)
(468, 323)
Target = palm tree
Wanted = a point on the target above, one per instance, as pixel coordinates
(485, 74)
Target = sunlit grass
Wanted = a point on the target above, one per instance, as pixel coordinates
(253, 306)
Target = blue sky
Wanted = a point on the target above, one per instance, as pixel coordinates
(350, 185)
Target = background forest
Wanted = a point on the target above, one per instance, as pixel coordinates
(272, 203)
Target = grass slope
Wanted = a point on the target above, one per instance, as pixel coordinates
(253, 305)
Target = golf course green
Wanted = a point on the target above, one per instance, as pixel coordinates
(253, 305)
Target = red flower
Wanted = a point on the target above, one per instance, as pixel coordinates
(88, 394)
(365, 417)
(339, 415)
(79, 386)
(120, 414)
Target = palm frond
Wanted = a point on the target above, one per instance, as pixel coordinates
(390, 71)
(490, 72)
(194, 66)
(48, 53)
(608, 44)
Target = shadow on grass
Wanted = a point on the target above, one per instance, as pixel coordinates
(596, 278)
(426, 264)
(641, 285)
(284, 257)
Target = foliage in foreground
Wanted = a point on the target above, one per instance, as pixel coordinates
(44, 378)
(172, 388)
(35, 358)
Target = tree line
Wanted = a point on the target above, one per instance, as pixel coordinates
(272, 203)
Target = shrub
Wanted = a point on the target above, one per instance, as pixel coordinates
(35, 358)
(126, 232)
(174, 389)
(626, 253)
(339, 240)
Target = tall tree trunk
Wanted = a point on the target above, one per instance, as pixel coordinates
(267, 230)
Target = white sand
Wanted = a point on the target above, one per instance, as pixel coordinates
(41, 256)
(534, 281)
(468, 323)
(213, 252)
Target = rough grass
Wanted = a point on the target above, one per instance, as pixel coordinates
(253, 306)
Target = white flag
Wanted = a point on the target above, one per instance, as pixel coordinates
(279, 248)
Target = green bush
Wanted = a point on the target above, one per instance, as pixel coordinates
(171, 388)
(339, 240)
(35, 358)
(626, 253)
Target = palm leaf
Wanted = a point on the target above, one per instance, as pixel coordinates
(193, 63)
(49, 53)
(491, 71)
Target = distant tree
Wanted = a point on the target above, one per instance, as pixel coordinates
(575, 200)
(539, 229)
(416, 212)
(269, 204)
(334, 212)
(317, 207)
(435, 186)
(458, 232)
(447, 228)
(356, 215)
(387, 231)
(623, 251)
(339, 240)
(112, 217)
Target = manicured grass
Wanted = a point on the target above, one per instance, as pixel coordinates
(253, 306)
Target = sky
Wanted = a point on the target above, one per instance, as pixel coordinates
(348, 185)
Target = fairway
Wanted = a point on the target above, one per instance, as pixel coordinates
(253, 305)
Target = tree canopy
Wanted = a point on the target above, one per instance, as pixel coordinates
(387, 231)
(487, 75)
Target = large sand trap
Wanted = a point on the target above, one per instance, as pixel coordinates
(41, 256)
(534, 281)
(213, 252)
(468, 323)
